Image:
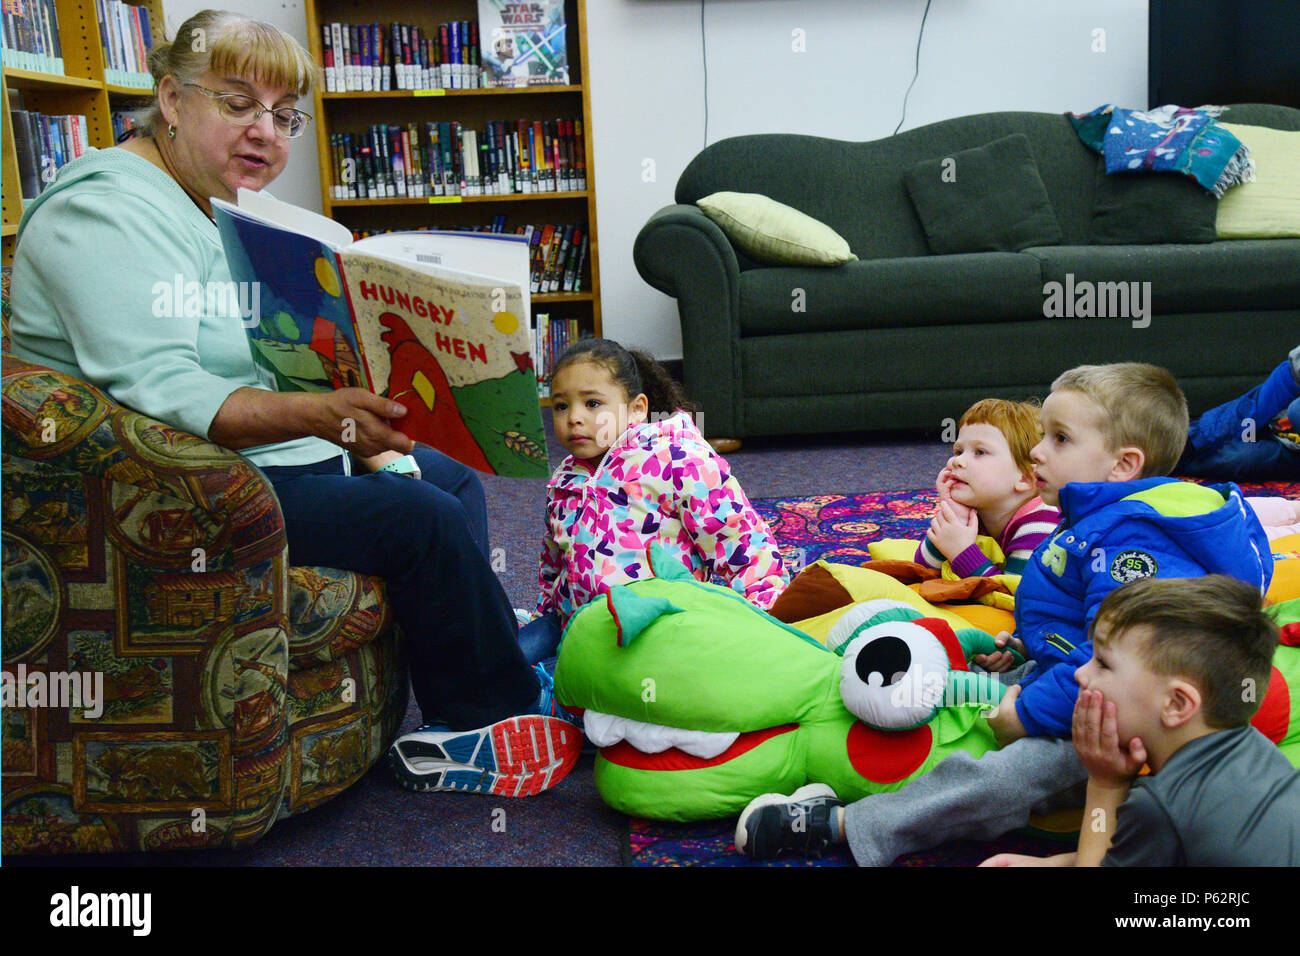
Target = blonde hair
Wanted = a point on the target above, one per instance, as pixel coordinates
(1211, 630)
(234, 45)
(1019, 423)
(1141, 405)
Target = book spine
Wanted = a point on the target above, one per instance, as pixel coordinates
(340, 57)
(582, 263)
(561, 257)
(138, 34)
(146, 26)
(327, 54)
(345, 45)
(393, 141)
(580, 156)
(475, 68)
(571, 267)
(419, 75)
(29, 160)
(539, 262)
(367, 75)
(411, 136)
(444, 61)
(448, 147)
(404, 36)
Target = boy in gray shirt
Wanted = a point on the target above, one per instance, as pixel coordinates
(1179, 667)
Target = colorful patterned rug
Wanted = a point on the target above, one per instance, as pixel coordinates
(838, 528)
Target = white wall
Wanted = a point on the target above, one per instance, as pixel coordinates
(300, 181)
(647, 82)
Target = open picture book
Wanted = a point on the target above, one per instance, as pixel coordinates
(437, 321)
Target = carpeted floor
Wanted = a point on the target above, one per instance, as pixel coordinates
(376, 822)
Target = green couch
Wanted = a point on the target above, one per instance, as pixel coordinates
(903, 339)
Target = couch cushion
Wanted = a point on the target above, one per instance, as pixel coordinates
(772, 232)
(1150, 208)
(986, 199)
(891, 293)
(1195, 278)
(1269, 207)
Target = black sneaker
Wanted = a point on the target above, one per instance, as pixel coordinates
(803, 823)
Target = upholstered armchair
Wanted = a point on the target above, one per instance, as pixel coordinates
(234, 689)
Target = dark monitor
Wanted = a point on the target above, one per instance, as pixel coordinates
(1223, 51)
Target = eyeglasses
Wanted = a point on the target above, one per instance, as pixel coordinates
(241, 109)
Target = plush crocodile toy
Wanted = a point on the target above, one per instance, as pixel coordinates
(699, 701)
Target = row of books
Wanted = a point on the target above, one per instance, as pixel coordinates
(127, 37)
(124, 122)
(551, 336)
(361, 57)
(44, 144)
(520, 44)
(557, 253)
(31, 36)
(451, 159)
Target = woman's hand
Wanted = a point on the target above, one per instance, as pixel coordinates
(358, 420)
(352, 418)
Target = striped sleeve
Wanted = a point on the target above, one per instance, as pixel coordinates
(928, 554)
(1025, 532)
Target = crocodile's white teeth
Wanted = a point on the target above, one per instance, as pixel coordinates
(605, 730)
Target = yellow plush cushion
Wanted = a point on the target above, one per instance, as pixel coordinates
(1269, 207)
(1286, 570)
(892, 549)
(772, 232)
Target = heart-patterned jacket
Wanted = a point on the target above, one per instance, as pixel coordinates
(660, 481)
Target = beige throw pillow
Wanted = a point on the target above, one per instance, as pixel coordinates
(1269, 207)
(772, 232)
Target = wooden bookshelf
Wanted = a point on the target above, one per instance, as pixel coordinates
(81, 90)
(352, 112)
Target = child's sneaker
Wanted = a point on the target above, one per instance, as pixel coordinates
(804, 823)
(516, 757)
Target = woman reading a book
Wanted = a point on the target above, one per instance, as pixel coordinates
(101, 251)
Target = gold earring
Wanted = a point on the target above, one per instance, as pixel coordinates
(171, 131)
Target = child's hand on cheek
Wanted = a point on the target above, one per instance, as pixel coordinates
(943, 484)
(953, 531)
(1095, 731)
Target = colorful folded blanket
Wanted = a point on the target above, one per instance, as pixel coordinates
(1167, 139)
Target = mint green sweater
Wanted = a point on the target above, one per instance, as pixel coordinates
(95, 250)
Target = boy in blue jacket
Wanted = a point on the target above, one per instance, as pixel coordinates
(1109, 433)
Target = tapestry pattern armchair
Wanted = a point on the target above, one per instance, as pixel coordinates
(235, 689)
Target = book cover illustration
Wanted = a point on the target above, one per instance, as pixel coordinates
(304, 339)
(454, 350)
(522, 42)
(396, 314)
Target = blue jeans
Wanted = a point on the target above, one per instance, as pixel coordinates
(1217, 445)
(428, 540)
(539, 639)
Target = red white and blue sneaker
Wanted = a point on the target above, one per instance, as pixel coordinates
(516, 757)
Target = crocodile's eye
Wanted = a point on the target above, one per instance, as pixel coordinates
(894, 674)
